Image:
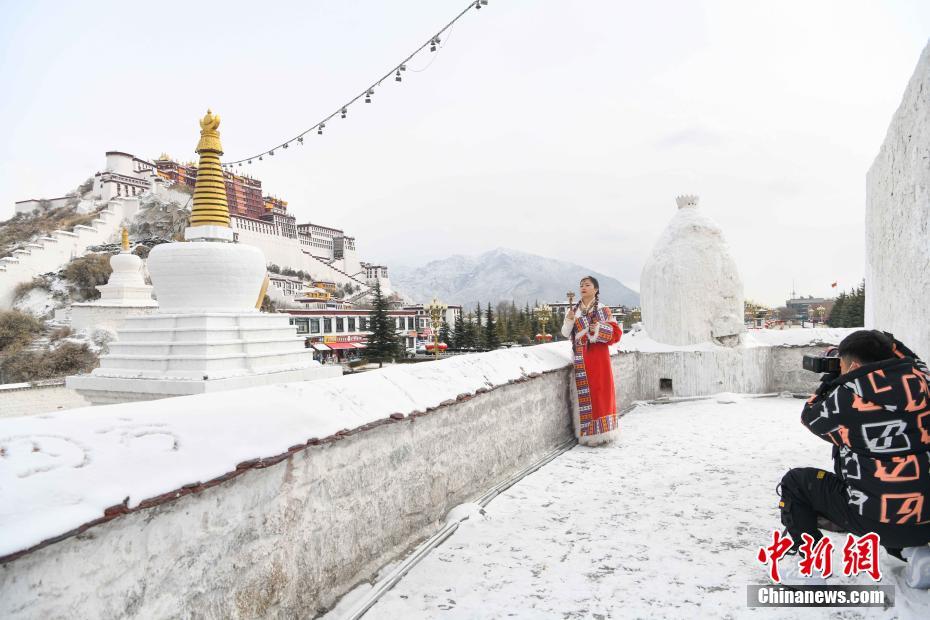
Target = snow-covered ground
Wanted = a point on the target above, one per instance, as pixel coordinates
(666, 523)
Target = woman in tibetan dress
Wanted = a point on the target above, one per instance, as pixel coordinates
(591, 328)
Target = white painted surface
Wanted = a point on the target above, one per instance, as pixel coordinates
(203, 276)
(691, 288)
(897, 221)
(89, 317)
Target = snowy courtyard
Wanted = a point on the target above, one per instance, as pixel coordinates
(665, 523)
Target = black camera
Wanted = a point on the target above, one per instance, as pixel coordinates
(827, 362)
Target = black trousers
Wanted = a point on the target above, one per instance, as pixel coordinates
(808, 493)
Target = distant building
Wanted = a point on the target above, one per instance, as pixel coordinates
(276, 213)
(808, 308)
(341, 332)
(423, 324)
(325, 253)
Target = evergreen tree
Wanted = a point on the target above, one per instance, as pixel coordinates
(491, 339)
(835, 318)
(459, 337)
(383, 343)
(444, 335)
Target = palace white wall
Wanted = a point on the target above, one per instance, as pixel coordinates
(286, 252)
(29, 206)
(53, 252)
(897, 220)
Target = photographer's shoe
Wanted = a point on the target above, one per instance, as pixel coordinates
(791, 574)
(917, 571)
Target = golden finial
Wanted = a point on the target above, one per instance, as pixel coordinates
(571, 298)
(210, 206)
(125, 240)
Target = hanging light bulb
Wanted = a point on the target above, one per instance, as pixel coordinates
(319, 130)
(259, 158)
(285, 145)
(250, 161)
(344, 112)
(433, 43)
(397, 77)
(478, 4)
(371, 91)
(300, 140)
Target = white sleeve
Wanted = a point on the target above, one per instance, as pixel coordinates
(567, 327)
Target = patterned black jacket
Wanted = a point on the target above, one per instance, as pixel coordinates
(878, 419)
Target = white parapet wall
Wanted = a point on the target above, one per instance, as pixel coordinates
(275, 501)
(897, 277)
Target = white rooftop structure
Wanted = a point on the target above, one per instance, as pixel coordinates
(691, 288)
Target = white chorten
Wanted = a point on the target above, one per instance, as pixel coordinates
(126, 286)
(208, 334)
(691, 291)
(124, 295)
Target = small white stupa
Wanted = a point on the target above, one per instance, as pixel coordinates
(125, 294)
(691, 291)
(208, 333)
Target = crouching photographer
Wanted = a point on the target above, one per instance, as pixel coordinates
(873, 405)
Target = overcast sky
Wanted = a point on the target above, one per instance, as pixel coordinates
(560, 128)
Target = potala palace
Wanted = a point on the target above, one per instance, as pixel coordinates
(128, 185)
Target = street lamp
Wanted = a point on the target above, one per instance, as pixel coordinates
(821, 310)
(544, 314)
(437, 313)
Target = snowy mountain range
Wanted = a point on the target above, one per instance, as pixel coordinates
(502, 275)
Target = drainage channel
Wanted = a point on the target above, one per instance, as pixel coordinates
(389, 581)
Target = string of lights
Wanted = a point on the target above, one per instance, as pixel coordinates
(434, 43)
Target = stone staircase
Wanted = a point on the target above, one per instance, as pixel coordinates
(53, 251)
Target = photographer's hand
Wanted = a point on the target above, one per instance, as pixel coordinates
(826, 384)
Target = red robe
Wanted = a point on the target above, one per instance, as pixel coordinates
(596, 419)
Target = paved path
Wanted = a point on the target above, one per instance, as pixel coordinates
(666, 523)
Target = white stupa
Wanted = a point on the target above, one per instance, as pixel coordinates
(208, 333)
(691, 291)
(125, 294)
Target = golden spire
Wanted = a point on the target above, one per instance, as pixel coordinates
(125, 241)
(210, 207)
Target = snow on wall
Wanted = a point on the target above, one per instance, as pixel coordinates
(285, 540)
(691, 288)
(289, 538)
(53, 252)
(897, 220)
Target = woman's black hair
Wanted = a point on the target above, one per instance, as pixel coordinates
(597, 292)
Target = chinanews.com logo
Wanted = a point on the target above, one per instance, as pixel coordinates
(815, 560)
